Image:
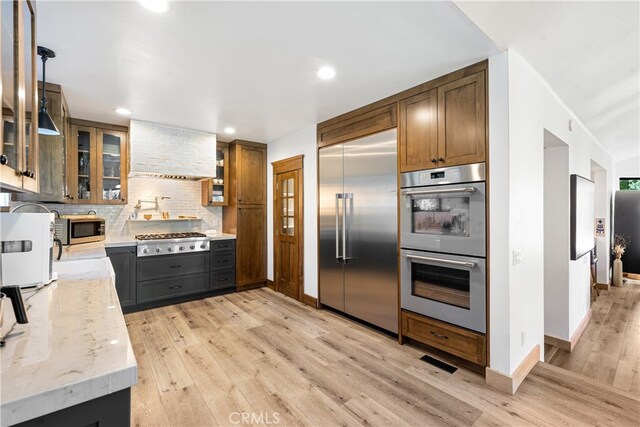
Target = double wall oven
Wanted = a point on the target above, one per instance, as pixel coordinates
(443, 240)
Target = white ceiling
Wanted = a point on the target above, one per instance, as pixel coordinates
(588, 52)
(208, 65)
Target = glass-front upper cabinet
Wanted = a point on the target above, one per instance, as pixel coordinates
(82, 164)
(97, 171)
(18, 148)
(29, 89)
(215, 191)
(112, 150)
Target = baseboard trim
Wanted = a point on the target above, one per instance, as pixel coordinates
(603, 286)
(632, 276)
(509, 383)
(569, 345)
(309, 300)
(271, 285)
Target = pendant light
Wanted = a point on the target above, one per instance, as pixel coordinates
(46, 126)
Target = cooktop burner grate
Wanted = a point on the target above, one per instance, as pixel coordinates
(163, 236)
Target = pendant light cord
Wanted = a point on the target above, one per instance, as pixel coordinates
(43, 100)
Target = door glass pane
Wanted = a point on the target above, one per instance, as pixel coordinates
(442, 284)
(283, 185)
(9, 136)
(441, 215)
(290, 201)
(28, 80)
(290, 188)
(110, 167)
(290, 226)
(84, 165)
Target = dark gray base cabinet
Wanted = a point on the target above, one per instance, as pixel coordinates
(112, 410)
(149, 282)
(123, 260)
(222, 265)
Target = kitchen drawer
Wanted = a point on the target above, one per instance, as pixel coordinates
(157, 267)
(221, 279)
(222, 245)
(156, 290)
(222, 260)
(457, 341)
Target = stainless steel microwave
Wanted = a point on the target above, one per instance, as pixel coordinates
(73, 229)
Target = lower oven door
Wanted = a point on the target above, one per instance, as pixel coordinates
(450, 288)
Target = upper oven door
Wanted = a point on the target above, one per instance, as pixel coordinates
(444, 218)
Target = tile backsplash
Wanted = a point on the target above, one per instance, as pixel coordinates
(184, 199)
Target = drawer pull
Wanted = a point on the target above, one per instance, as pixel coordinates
(443, 337)
(175, 266)
(175, 287)
(222, 279)
(220, 261)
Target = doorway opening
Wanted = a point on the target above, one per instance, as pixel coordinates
(288, 225)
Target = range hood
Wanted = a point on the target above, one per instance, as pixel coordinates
(162, 151)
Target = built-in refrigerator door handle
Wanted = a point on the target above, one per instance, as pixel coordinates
(338, 198)
(345, 197)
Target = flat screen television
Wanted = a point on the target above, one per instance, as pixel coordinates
(582, 216)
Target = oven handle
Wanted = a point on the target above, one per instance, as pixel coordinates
(469, 264)
(441, 190)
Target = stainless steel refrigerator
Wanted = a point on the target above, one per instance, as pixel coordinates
(358, 228)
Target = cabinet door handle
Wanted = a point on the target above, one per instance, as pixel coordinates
(175, 287)
(443, 337)
(3, 159)
(441, 159)
(175, 266)
(434, 160)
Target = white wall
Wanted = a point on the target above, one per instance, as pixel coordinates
(627, 168)
(532, 108)
(301, 142)
(556, 237)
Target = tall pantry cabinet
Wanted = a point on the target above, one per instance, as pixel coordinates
(246, 214)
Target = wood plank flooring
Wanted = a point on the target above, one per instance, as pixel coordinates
(609, 349)
(260, 358)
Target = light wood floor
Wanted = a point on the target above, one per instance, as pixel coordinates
(258, 352)
(609, 349)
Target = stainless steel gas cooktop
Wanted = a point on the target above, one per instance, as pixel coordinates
(171, 243)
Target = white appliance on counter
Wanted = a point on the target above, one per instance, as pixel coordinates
(26, 247)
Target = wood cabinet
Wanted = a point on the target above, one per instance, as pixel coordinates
(18, 127)
(215, 191)
(246, 214)
(460, 342)
(123, 260)
(444, 126)
(97, 163)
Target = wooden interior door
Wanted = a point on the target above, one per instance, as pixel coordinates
(288, 214)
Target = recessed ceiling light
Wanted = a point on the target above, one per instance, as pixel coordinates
(326, 72)
(229, 130)
(123, 111)
(157, 6)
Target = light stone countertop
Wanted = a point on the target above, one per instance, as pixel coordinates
(81, 251)
(75, 347)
